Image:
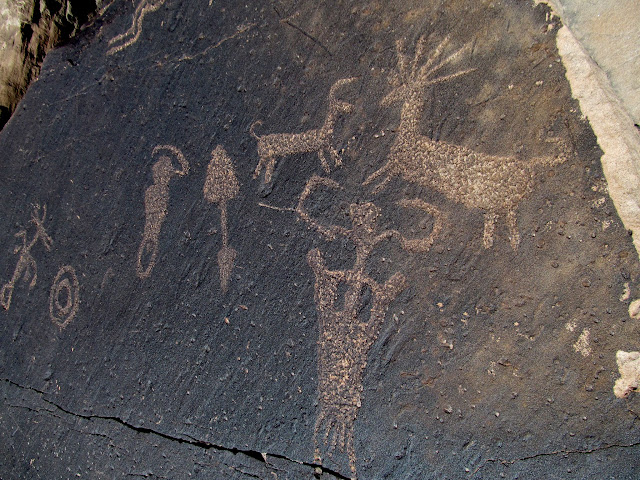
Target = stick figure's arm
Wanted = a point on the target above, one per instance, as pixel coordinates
(331, 232)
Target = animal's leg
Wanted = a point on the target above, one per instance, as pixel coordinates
(261, 162)
(381, 185)
(268, 172)
(336, 156)
(512, 225)
(323, 161)
(489, 228)
(376, 174)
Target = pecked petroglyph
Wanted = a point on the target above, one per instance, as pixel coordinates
(220, 186)
(344, 339)
(64, 297)
(494, 184)
(26, 266)
(156, 202)
(319, 140)
(128, 38)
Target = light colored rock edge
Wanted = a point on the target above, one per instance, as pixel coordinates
(612, 125)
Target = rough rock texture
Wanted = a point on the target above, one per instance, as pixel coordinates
(28, 30)
(295, 240)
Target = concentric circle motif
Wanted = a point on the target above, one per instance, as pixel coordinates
(64, 297)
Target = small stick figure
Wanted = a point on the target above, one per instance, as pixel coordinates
(26, 265)
(131, 36)
(156, 201)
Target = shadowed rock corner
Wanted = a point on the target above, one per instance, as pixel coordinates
(28, 30)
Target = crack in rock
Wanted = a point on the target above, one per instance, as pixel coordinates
(253, 454)
(504, 461)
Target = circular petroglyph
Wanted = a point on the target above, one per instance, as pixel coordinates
(64, 297)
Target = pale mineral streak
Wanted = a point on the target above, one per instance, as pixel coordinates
(617, 136)
(629, 368)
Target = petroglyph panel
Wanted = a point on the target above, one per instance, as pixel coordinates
(494, 184)
(64, 298)
(319, 140)
(26, 267)
(220, 186)
(156, 204)
(345, 330)
(131, 36)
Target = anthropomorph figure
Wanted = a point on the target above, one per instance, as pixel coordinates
(345, 338)
(156, 202)
(26, 266)
(221, 185)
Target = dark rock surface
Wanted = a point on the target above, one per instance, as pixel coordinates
(191, 321)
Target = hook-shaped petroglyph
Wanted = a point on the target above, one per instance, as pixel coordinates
(220, 186)
(64, 297)
(275, 145)
(412, 245)
(156, 202)
(26, 266)
(493, 184)
(128, 38)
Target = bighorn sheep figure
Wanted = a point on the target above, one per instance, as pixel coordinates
(494, 184)
(283, 144)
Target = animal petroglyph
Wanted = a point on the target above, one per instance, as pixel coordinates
(156, 201)
(220, 186)
(26, 266)
(629, 368)
(345, 339)
(319, 140)
(128, 38)
(64, 297)
(494, 184)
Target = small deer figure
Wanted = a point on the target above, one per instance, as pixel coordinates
(495, 184)
(26, 265)
(284, 144)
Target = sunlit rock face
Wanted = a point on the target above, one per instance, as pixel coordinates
(300, 240)
(28, 30)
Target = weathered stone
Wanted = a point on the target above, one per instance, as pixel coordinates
(411, 268)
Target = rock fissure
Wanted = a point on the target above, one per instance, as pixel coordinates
(253, 454)
(555, 452)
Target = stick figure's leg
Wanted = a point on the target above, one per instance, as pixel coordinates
(512, 225)
(489, 228)
(30, 269)
(5, 295)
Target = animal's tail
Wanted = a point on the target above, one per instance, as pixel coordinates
(563, 150)
(257, 122)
